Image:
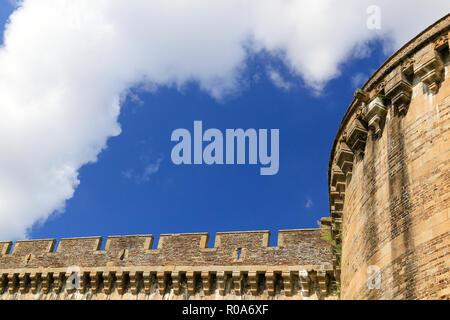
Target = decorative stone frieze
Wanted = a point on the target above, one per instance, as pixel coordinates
(191, 282)
(344, 157)
(442, 43)
(149, 280)
(84, 282)
(134, 277)
(94, 276)
(305, 283)
(12, 282)
(23, 282)
(431, 71)
(120, 281)
(206, 277)
(58, 280)
(399, 89)
(357, 137)
(3, 282)
(270, 280)
(253, 281)
(35, 278)
(107, 282)
(323, 282)
(374, 114)
(162, 282)
(70, 286)
(287, 282)
(263, 283)
(337, 196)
(237, 282)
(337, 179)
(46, 279)
(361, 96)
(221, 282)
(407, 67)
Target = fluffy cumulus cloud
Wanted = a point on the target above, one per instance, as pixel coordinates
(65, 67)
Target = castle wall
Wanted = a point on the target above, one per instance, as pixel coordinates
(390, 177)
(241, 265)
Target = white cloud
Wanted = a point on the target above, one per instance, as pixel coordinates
(309, 203)
(66, 66)
(149, 169)
(278, 80)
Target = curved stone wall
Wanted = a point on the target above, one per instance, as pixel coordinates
(389, 177)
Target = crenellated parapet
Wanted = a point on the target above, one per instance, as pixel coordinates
(240, 264)
(389, 136)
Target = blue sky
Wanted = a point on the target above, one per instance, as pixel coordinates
(116, 196)
(178, 199)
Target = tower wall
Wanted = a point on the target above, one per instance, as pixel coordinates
(389, 177)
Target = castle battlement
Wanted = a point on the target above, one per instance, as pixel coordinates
(240, 263)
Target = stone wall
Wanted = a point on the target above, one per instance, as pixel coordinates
(241, 265)
(389, 177)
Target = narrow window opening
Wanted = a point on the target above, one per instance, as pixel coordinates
(123, 254)
(239, 251)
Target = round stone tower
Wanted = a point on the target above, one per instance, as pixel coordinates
(389, 177)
